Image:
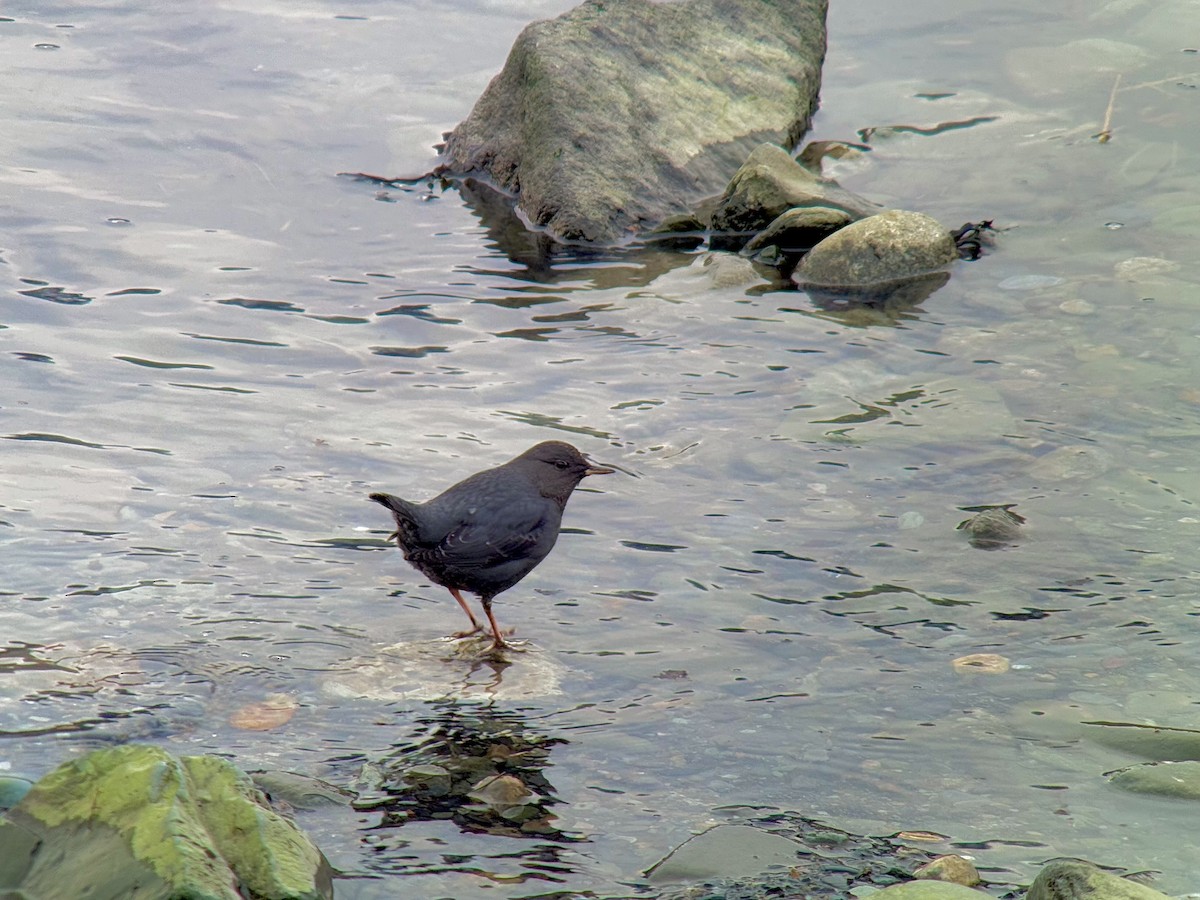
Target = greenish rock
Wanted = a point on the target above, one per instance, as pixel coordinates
(433, 670)
(953, 868)
(889, 247)
(619, 113)
(928, 890)
(1168, 779)
(798, 229)
(136, 821)
(770, 183)
(1151, 742)
(1078, 880)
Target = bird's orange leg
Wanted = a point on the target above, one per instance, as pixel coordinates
(497, 638)
(475, 626)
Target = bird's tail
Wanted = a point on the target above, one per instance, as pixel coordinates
(402, 512)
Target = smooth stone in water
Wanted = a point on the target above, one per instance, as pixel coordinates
(892, 246)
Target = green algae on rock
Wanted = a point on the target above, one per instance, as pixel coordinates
(136, 818)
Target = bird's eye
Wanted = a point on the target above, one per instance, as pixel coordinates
(561, 464)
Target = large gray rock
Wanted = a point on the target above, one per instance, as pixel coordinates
(619, 113)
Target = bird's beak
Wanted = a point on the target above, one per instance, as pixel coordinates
(594, 469)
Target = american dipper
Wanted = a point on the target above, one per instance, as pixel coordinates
(489, 531)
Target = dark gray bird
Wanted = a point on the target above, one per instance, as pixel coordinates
(489, 531)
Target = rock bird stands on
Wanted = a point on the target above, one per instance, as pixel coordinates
(486, 533)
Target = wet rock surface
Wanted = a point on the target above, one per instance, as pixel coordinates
(613, 116)
(888, 247)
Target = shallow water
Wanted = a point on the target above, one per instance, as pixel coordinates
(213, 348)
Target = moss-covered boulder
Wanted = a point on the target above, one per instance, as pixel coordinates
(1080, 880)
(135, 821)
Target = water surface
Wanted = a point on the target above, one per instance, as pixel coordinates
(213, 348)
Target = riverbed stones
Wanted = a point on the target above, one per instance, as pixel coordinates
(892, 246)
(613, 116)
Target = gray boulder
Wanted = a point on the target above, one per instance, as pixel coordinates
(889, 247)
(619, 113)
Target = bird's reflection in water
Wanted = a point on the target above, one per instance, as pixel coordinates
(476, 766)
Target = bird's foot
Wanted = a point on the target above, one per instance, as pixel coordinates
(499, 644)
(462, 634)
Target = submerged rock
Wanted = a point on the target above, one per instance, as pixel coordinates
(783, 854)
(136, 821)
(619, 113)
(1168, 779)
(992, 527)
(464, 668)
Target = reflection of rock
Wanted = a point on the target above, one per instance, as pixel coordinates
(888, 299)
(617, 114)
(431, 670)
(480, 767)
(889, 247)
(136, 821)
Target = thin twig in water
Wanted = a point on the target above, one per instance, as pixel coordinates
(1104, 135)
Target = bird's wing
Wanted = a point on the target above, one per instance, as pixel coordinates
(486, 534)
